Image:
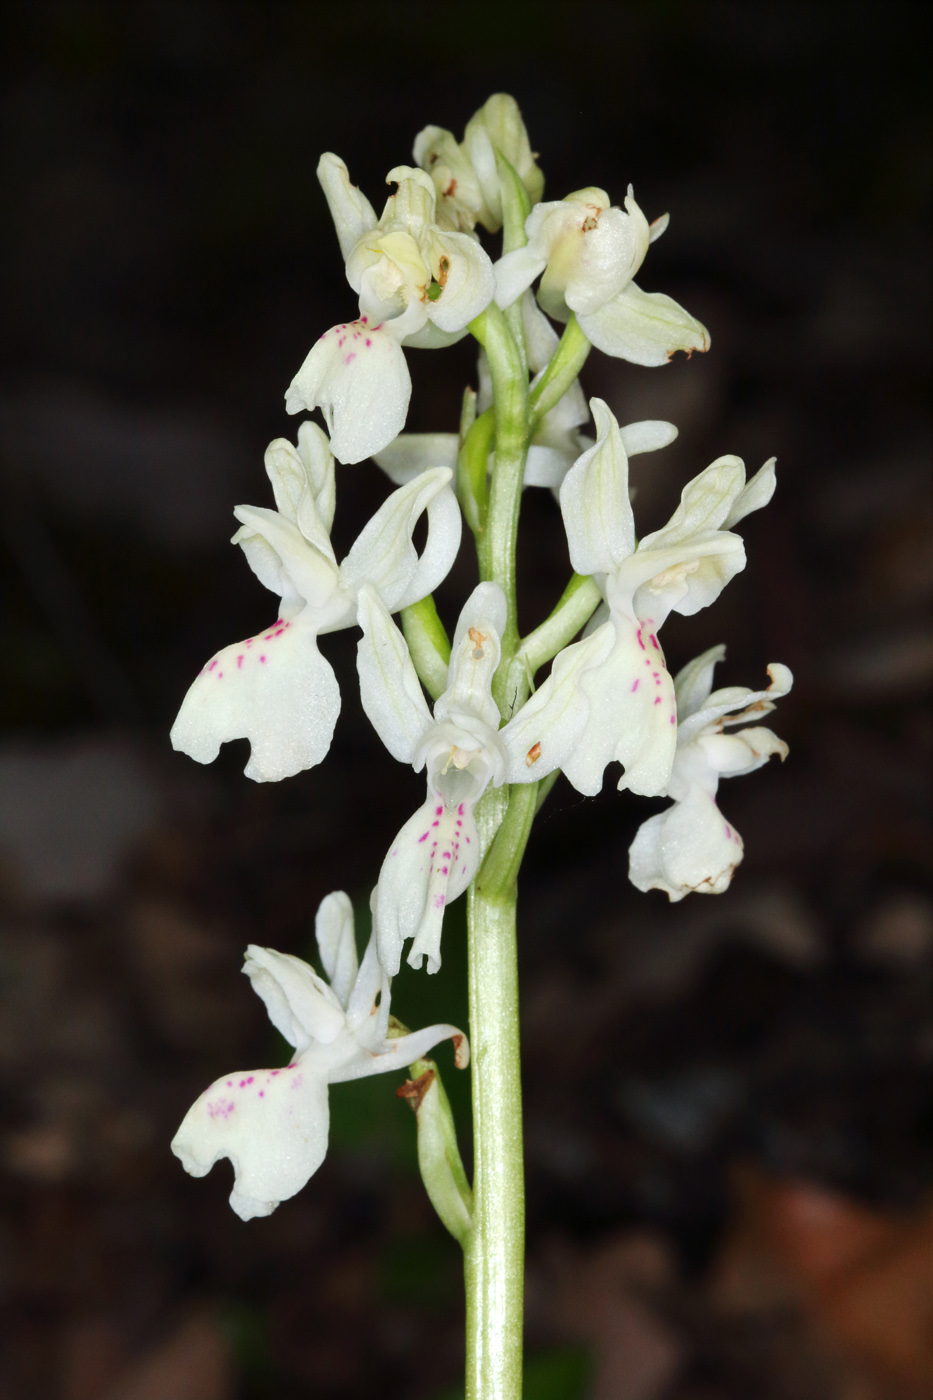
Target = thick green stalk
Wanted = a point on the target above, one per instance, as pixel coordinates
(496, 548)
(495, 1248)
(565, 364)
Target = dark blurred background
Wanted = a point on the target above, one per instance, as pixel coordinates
(728, 1115)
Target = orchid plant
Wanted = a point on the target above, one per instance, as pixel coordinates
(498, 734)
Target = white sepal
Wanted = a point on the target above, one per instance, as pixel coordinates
(594, 500)
(351, 211)
(645, 328)
(357, 375)
(389, 687)
(384, 555)
(333, 930)
(413, 453)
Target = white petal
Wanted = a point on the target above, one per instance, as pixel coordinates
(303, 569)
(516, 271)
(632, 715)
(547, 466)
(594, 500)
(272, 1124)
(402, 1051)
(757, 493)
(684, 577)
(736, 704)
(645, 328)
(734, 755)
(357, 375)
(705, 503)
(693, 682)
(470, 285)
(351, 211)
(541, 339)
(297, 477)
(413, 453)
(547, 729)
(274, 689)
(301, 1006)
(431, 862)
(647, 436)
(389, 687)
(610, 255)
(384, 555)
(368, 1004)
(690, 847)
(474, 656)
(333, 929)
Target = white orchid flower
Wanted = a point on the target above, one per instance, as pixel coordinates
(435, 855)
(418, 284)
(276, 689)
(690, 846)
(465, 174)
(273, 1123)
(556, 442)
(610, 697)
(589, 252)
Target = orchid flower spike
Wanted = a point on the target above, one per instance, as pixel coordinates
(610, 697)
(418, 284)
(435, 855)
(557, 441)
(273, 1123)
(276, 689)
(589, 252)
(465, 174)
(690, 846)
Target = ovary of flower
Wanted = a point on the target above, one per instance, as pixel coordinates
(417, 284)
(465, 174)
(589, 251)
(435, 855)
(276, 689)
(610, 697)
(273, 1123)
(690, 846)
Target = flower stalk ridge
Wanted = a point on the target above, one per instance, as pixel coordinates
(491, 716)
(273, 1123)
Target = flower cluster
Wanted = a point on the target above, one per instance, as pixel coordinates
(423, 278)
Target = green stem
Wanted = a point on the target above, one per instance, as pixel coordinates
(565, 364)
(494, 1250)
(496, 548)
(577, 604)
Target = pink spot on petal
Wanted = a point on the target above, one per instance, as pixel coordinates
(439, 901)
(262, 1093)
(435, 823)
(444, 870)
(262, 658)
(640, 642)
(634, 686)
(368, 343)
(657, 699)
(213, 664)
(350, 357)
(422, 838)
(673, 720)
(239, 663)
